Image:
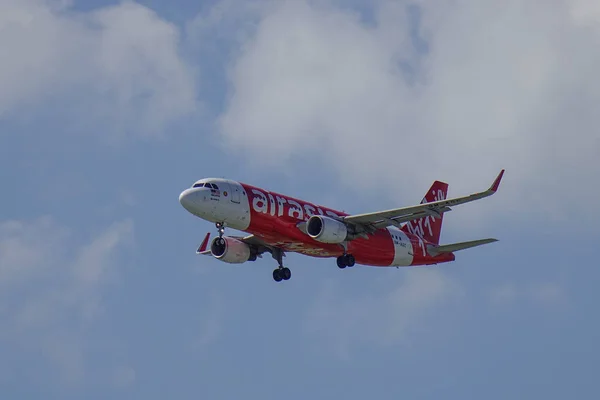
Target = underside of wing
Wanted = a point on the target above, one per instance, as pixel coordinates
(372, 221)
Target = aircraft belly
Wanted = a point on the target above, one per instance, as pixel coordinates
(293, 243)
(377, 251)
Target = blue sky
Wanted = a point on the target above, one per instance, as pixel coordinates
(108, 110)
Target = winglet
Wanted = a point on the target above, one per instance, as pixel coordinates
(496, 183)
(204, 244)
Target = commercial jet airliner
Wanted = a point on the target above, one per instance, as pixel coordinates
(276, 224)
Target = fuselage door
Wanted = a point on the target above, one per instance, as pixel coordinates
(235, 193)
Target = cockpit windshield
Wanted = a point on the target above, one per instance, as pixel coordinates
(205, 184)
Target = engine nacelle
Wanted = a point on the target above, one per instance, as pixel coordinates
(230, 250)
(326, 229)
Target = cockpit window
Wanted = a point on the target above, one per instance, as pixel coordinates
(206, 184)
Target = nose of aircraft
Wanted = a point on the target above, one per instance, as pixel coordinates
(187, 199)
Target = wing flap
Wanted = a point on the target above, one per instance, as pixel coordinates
(405, 218)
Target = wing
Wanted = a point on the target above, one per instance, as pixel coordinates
(381, 219)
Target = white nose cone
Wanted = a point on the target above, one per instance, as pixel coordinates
(187, 199)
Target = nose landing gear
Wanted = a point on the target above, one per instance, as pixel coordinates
(221, 228)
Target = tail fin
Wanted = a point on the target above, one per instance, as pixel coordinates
(429, 227)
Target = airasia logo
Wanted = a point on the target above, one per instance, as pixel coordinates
(418, 227)
(278, 205)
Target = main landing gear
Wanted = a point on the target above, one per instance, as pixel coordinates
(280, 273)
(346, 260)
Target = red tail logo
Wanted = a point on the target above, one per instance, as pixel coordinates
(429, 227)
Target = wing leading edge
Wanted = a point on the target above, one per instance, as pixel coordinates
(382, 219)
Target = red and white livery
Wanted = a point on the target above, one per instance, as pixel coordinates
(277, 224)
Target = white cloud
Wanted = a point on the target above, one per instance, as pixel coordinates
(118, 67)
(18, 262)
(225, 21)
(51, 288)
(390, 316)
(503, 85)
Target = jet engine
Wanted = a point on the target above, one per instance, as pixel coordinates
(326, 229)
(230, 250)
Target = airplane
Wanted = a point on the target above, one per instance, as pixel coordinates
(278, 224)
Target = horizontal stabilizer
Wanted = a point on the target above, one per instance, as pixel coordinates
(449, 248)
(202, 248)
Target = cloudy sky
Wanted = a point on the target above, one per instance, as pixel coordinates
(109, 109)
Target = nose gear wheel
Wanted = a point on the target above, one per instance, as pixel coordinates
(221, 228)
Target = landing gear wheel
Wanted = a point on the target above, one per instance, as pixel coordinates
(350, 260)
(346, 260)
(282, 273)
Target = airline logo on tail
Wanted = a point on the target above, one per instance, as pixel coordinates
(430, 226)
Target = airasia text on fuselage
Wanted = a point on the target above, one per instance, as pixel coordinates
(279, 205)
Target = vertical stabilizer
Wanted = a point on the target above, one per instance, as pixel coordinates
(429, 227)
